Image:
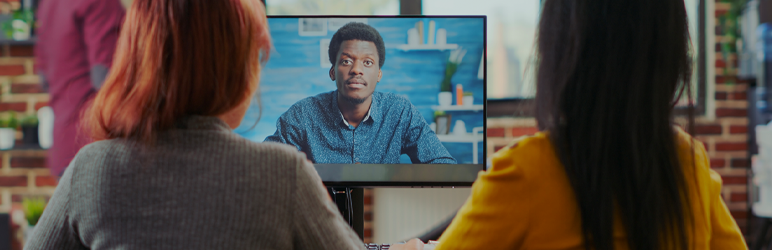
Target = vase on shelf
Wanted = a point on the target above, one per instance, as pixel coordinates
(468, 100)
(445, 98)
(7, 138)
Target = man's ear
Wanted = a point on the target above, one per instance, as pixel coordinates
(332, 73)
(380, 74)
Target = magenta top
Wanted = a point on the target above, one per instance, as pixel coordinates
(74, 50)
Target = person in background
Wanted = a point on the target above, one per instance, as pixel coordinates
(166, 170)
(355, 123)
(74, 51)
(609, 169)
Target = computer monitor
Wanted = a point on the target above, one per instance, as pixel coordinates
(425, 125)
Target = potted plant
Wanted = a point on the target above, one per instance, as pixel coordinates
(445, 96)
(33, 209)
(468, 98)
(8, 126)
(29, 130)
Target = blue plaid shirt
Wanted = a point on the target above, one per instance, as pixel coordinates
(392, 127)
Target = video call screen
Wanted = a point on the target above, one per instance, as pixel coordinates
(427, 106)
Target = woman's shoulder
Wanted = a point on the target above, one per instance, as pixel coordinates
(527, 156)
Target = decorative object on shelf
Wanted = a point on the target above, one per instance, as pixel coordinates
(441, 37)
(432, 27)
(459, 128)
(412, 36)
(8, 126)
(33, 209)
(450, 69)
(445, 98)
(468, 99)
(433, 126)
(442, 120)
(459, 94)
(420, 27)
(46, 127)
(29, 130)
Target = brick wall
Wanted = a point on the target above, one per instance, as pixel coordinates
(725, 137)
(23, 172)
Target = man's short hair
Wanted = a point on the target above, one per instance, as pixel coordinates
(357, 31)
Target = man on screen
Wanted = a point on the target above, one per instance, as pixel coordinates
(356, 124)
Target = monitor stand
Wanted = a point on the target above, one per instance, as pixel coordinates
(350, 202)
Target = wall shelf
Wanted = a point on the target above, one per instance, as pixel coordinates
(478, 107)
(409, 47)
(468, 137)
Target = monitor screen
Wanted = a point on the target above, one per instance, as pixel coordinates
(370, 90)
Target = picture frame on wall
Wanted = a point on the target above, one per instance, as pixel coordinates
(312, 26)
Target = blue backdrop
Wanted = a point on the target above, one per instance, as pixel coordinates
(295, 71)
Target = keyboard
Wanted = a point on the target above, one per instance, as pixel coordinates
(386, 246)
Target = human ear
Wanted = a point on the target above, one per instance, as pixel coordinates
(332, 73)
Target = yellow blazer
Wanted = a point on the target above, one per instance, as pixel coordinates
(524, 201)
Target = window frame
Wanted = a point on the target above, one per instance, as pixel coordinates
(524, 107)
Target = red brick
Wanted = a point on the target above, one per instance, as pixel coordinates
(521, 131)
(13, 181)
(45, 181)
(738, 129)
(11, 70)
(368, 232)
(721, 95)
(717, 163)
(717, 48)
(494, 132)
(739, 214)
(707, 129)
(369, 216)
(497, 148)
(740, 163)
(720, 63)
(28, 162)
(738, 197)
(739, 96)
(731, 146)
(24, 88)
(734, 180)
(725, 79)
(16, 198)
(39, 105)
(22, 51)
(720, 12)
(368, 200)
(731, 112)
(15, 106)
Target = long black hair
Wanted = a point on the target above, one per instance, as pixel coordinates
(609, 75)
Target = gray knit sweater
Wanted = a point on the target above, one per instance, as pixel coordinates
(200, 187)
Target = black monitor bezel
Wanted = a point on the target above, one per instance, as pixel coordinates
(419, 181)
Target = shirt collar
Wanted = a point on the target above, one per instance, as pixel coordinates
(371, 113)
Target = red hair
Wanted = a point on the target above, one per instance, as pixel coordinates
(177, 58)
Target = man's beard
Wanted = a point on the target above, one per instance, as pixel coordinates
(354, 100)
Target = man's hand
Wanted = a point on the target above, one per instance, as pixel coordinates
(414, 244)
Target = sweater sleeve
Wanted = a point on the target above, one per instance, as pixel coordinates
(317, 222)
(499, 197)
(725, 234)
(55, 230)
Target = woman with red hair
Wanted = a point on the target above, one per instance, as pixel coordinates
(166, 170)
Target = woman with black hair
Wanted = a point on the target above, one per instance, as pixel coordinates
(609, 170)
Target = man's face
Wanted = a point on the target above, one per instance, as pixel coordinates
(356, 70)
